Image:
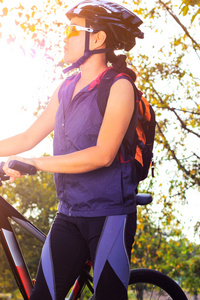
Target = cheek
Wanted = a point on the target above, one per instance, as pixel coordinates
(92, 44)
(74, 50)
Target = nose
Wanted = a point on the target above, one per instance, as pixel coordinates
(66, 40)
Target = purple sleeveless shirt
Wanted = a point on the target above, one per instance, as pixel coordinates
(102, 192)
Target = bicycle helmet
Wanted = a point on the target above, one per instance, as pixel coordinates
(120, 25)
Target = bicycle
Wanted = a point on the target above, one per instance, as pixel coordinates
(154, 283)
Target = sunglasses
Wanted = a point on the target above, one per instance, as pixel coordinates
(73, 30)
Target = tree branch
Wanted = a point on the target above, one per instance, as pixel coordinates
(181, 167)
(184, 111)
(173, 110)
(183, 124)
(182, 26)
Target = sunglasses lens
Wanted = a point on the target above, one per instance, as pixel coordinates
(71, 31)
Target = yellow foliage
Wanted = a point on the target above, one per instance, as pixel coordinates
(23, 26)
(134, 260)
(140, 227)
(5, 11)
(32, 28)
(183, 109)
(184, 47)
(185, 7)
(185, 10)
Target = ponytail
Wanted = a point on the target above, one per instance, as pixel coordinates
(119, 64)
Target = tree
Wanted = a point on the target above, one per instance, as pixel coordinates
(191, 274)
(169, 79)
(177, 107)
(163, 247)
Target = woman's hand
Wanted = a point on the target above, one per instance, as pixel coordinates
(13, 174)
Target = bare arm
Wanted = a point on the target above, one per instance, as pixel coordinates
(33, 135)
(116, 121)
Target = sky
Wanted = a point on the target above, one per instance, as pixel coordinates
(22, 72)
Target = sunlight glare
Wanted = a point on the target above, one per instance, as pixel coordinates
(22, 74)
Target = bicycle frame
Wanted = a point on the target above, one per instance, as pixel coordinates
(14, 255)
(11, 246)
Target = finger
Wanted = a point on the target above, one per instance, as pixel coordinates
(13, 173)
(11, 179)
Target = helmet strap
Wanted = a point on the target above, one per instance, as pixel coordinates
(87, 52)
(87, 37)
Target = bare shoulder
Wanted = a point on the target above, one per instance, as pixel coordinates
(123, 88)
(121, 93)
(123, 82)
(55, 93)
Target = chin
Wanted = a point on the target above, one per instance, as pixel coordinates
(67, 59)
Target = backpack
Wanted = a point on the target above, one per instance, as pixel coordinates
(142, 126)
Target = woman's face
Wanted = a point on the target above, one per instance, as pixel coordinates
(75, 44)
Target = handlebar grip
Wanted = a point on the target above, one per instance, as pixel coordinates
(23, 168)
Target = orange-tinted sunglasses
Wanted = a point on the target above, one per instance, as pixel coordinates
(73, 30)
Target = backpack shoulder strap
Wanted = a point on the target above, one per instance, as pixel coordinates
(104, 89)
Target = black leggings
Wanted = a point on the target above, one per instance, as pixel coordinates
(107, 241)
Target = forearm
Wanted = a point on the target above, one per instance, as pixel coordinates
(78, 162)
(14, 145)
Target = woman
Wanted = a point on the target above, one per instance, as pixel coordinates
(97, 211)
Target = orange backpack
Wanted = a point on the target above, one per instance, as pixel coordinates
(143, 124)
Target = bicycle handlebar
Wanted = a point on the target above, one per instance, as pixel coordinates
(23, 168)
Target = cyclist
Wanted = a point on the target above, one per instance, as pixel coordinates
(94, 177)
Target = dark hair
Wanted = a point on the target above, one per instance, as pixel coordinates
(118, 61)
(119, 64)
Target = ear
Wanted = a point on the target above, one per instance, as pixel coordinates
(97, 40)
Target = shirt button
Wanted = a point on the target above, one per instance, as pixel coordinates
(63, 124)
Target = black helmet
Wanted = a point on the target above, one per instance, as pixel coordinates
(120, 24)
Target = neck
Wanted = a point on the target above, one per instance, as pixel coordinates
(93, 67)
